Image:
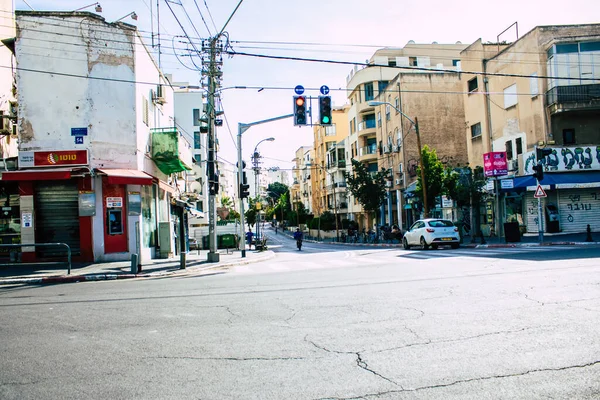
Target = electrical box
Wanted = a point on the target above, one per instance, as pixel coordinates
(164, 239)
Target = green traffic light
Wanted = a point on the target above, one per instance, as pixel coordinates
(325, 120)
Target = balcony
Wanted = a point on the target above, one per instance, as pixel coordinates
(170, 151)
(338, 164)
(367, 127)
(367, 152)
(575, 97)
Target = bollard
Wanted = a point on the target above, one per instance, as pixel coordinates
(134, 263)
(588, 237)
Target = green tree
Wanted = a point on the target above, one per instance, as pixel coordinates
(435, 176)
(465, 186)
(252, 211)
(276, 190)
(368, 188)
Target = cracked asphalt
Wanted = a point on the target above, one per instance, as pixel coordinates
(318, 324)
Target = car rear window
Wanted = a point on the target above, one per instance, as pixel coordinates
(440, 223)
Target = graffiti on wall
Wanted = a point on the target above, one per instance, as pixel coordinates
(566, 159)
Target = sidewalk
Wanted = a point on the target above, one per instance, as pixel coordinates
(528, 240)
(39, 274)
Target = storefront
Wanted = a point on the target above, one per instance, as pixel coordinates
(10, 216)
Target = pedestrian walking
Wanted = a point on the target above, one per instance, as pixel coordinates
(249, 236)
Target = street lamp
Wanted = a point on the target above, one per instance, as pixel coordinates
(98, 7)
(132, 14)
(416, 124)
(256, 174)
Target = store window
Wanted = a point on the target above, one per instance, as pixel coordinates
(149, 216)
(10, 215)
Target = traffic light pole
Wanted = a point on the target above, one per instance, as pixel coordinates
(241, 129)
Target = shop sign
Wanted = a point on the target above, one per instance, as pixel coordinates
(489, 186)
(565, 159)
(114, 202)
(27, 219)
(87, 203)
(446, 202)
(28, 159)
(495, 164)
(507, 184)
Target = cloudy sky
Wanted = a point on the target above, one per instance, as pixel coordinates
(344, 30)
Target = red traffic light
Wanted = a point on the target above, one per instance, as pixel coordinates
(299, 101)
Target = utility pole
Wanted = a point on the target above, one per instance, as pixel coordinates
(212, 72)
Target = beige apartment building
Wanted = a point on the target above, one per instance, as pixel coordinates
(542, 91)
(327, 171)
(422, 81)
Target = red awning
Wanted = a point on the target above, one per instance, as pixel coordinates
(126, 176)
(54, 174)
(166, 187)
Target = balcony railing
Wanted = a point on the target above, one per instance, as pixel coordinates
(573, 94)
(367, 124)
(371, 149)
(339, 164)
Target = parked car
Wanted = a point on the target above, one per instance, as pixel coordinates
(432, 232)
(193, 244)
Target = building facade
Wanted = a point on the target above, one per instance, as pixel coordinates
(103, 176)
(543, 91)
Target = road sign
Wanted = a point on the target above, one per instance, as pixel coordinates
(324, 90)
(539, 192)
(78, 139)
(299, 89)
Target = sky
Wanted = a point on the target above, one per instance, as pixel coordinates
(345, 30)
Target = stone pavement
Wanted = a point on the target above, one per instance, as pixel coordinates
(39, 274)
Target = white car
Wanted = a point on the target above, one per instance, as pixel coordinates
(432, 232)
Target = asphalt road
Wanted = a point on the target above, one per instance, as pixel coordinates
(324, 323)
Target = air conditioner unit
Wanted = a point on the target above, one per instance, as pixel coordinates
(399, 181)
(158, 95)
(386, 149)
(513, 165)
(396, 148)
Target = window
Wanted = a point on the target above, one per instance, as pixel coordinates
(381, 85)
(387, 112)
(509, 150)
(391, 62)
(473, 85)
(476, 130)
(456, 63)
(589, 46)
(412, 61)
(330, 130)
(196, 116)
(533, 84)
(145, 110)
(510, 96)
(519, 145)
(379, 119)
(369, 121)
(397, 103)
(200, 205)
(568, 136)
(368, 91)
(197, 140)
(567, 48)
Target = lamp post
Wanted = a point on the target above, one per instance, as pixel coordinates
(98, 7)
(416, 124)
(256, 175)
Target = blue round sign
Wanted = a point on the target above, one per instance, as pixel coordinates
(299, 89)
(324, 90)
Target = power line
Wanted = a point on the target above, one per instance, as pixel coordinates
(210, 15)
(229, 19)
(203, 20)
(410, 68)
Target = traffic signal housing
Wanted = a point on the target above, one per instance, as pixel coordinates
(244, 187)
(299, 110)
(325, 110)
(538, 172)
(542, 153)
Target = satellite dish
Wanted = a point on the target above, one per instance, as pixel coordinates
(411, 42)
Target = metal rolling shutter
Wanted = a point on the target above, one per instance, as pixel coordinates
(578, 208)
(531, 210)
(57, 217)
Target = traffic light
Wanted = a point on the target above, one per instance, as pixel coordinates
(299, 110)
(244, 187)
(538, 172)
(325, 110)
(542, 153)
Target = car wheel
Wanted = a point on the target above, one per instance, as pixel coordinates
(424, 244)
(455, 245)
(405, 244)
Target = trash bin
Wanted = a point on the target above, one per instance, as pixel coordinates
(511, 232)
(227, 241)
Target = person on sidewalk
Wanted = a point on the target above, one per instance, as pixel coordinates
(249, 236)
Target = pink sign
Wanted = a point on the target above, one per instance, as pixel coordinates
(495, 164)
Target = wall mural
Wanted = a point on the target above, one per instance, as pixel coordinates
(564, 159)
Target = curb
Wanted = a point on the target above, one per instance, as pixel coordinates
(51, 280)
